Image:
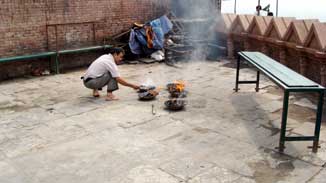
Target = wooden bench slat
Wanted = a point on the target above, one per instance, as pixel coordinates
(285, 75)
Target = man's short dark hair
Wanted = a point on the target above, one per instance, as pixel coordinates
(116, 50)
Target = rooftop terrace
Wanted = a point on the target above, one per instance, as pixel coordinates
(51, 130)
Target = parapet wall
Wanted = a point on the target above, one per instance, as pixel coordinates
(298, 44)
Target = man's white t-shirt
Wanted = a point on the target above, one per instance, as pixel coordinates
(102, 65)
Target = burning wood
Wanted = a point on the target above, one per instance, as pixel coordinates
(176, 86)
(180, 86)
(177, 91)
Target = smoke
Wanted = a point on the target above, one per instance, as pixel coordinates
(192, 9)
(148, 82)
(199, 20)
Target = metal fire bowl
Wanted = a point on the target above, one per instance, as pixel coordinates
(148, 95)
(175, 104)
(176, 94)
(172, 89)
(143, 88)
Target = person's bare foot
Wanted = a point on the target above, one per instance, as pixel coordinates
(96, 93)
(111, 97)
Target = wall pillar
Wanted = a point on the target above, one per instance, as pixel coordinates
(230, 47)
(323, 75)
(283, 57)
(264, 49)
(303, 65)
(246, 45)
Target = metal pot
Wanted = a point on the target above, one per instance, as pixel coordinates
(175, 104)
(143, 88)
(148, 95)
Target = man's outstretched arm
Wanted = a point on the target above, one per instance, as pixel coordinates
(125, 83)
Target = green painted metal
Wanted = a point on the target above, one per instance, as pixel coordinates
(276, 80)
(57, 69)
(28, 57)
(284, 120)
(54, 54)
(107, 46)
(236, 89)
(257, 82)
(80, 50)
(289, 81)
(318, 121)
(284, 74)
(306, 89)
(237, 82)
(247, 82)
(300, 138)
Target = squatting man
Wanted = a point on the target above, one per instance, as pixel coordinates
(104, 71)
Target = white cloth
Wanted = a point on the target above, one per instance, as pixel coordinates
(158, 55)
(102, 65)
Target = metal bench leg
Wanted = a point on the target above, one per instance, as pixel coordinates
(237, 76)
(57, 67)
(257, 84)
(51, 65)
(318, 121)
(284, 120)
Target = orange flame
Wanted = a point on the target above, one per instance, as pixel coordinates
(179, 85)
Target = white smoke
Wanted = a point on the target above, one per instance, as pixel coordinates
(199, 19)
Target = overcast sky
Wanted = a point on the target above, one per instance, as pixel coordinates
(301, 9)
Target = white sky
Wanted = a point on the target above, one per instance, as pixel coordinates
(301, 9)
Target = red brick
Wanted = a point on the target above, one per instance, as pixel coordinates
(31, 26)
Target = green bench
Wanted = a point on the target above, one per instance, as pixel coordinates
(289, 81)
(54, 55)
(51, 54)
(78, 50)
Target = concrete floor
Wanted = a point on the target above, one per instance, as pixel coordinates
(52, 131)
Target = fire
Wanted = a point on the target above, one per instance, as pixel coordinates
(179, 85)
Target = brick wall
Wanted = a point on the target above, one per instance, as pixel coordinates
(32, 26)
(22, 27)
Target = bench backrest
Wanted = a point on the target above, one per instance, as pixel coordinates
(278, 71)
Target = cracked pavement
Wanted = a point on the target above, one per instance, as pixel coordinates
(52, 130)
